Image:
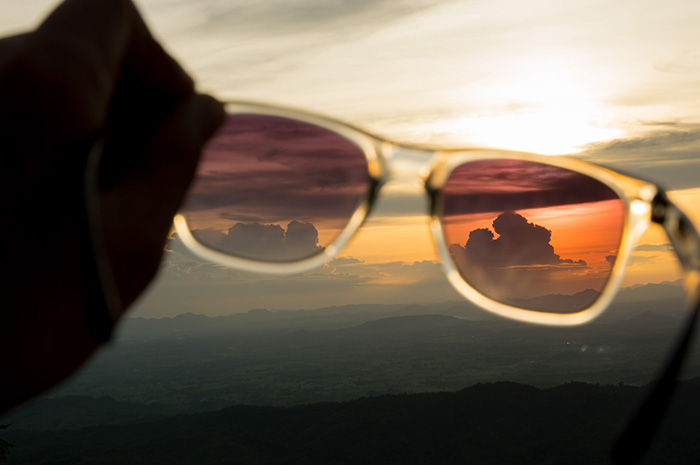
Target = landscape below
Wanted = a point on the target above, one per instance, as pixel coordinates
(366, 384)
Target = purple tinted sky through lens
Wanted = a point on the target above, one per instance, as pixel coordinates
(275, 189)
(530, 235)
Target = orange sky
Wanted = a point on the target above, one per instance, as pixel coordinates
(407, 238)
(392, 260)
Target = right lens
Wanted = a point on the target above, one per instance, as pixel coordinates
(531, 235)
(275, 189)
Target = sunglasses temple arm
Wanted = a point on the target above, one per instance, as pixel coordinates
(637, 436)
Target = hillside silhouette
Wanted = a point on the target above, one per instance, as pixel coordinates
(277, 387)
(495, 423)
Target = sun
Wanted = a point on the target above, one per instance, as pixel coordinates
(540, 104)
(549, 130)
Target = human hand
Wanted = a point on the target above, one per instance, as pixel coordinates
(91, 70)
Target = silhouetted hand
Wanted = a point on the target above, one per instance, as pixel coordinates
(91, 70)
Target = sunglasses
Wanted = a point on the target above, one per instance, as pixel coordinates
(535, 238)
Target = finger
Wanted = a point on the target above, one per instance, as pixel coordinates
(74, 63)
(111, 36)
(174, 152)
(138, 211)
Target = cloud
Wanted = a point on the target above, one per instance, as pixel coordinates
(520, 244)
(667, 154)
(611, 259)
(654, 248)
(187, 284)
(241, 46)
(521, 262)
(643, 260)
(268, 242)
(676, 139)
(340, 261)
(502, 185)
(265, 169)
(283, 18)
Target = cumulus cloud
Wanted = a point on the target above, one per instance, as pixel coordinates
(269, 242)
(519, 263)
(520, 243)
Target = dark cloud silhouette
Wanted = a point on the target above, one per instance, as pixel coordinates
(269, 242)
(611, 259)
(518, 263)
(503, 185)
(520, 243)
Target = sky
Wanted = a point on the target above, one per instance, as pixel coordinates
(616, 83)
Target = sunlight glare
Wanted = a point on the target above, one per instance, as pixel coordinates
(539, 104)
(550, 131)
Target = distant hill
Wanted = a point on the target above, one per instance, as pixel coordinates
(495, 423)
(666, 296)
(652, 292)
(195, 325)
(561, 303)
(194, 363)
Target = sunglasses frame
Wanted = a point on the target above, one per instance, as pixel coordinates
(644, 202)
(387, 160)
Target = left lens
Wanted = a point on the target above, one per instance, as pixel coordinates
(530, 235)
(275, 189)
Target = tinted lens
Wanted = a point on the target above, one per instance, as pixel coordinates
(275, 189)
(532, 236)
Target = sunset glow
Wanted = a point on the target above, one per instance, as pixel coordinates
(615, 83)
(551, 131)
(275, 189)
